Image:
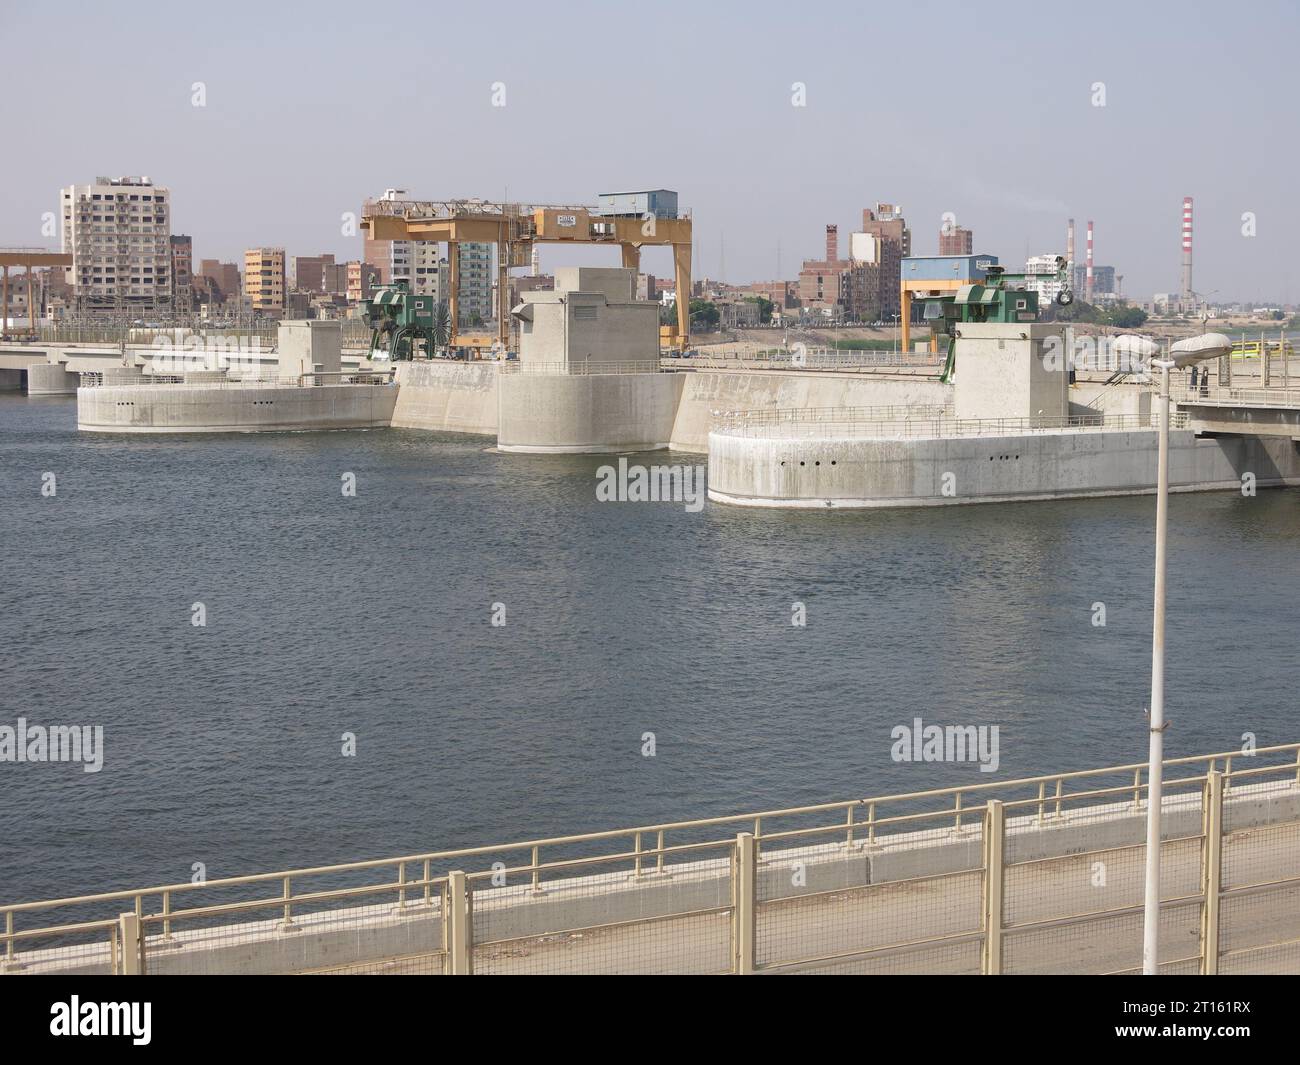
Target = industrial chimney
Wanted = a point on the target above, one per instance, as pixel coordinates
(1087, 281)
(1069, 252)
(832, 243)
(1187, 251)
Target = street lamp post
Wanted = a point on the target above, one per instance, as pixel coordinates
(1184, 353)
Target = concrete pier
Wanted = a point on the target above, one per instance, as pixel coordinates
(233, 408)
(51, 379)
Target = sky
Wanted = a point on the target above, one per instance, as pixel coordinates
(1011, 117)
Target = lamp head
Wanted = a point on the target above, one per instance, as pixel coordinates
(1199, 349)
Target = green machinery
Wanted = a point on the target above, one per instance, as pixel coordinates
(400, 319)
(993, 300)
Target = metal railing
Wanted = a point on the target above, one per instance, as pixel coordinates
(822, 415)
(1238, 397)
(386, 376)
(355, 333)
(907, 422)
(580, 369)
(994, 847)
(722, 358)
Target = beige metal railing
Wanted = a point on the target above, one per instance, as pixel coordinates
(580, 369)
(1240, 397)
(920, 422)
(727, 899)
(386, 376)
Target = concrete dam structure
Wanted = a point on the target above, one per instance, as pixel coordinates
(310, 391)
(1012, 434)
(1008, 426)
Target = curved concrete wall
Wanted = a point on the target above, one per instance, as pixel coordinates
(238, 409)
(850, 471)
(446, 396)
(588, 414)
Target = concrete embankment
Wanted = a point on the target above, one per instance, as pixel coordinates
(452, 397)
(624, 412)
(587, 413)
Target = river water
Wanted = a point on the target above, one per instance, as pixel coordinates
(372, 615)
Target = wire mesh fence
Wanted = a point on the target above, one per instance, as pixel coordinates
(609, 915)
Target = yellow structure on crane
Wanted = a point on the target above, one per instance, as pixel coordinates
(514, 228)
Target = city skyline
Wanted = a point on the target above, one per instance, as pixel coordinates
(551, 117)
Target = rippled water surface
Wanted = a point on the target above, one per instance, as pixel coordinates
(371, 615)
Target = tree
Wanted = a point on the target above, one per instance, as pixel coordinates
(764, 307)
(1127, 317)
(704, 315)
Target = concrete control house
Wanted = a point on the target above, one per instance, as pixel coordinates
(591, 317)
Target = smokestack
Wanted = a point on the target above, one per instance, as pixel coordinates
(1087, 282)
(832, 243)
(1187, 250)
(1069, 250)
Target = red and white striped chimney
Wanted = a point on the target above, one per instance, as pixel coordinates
(1087, 284)
(1187, 250)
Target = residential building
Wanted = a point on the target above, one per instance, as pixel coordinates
(223, 279)
(1041, 276)
(182, 271)
(954, 240)
(823, 282)
(894, 243)
(264, 281)
(476, 285)
(363, 279)
(309, 272)
(118, 231)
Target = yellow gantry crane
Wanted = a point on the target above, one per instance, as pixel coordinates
(29, 258)
(514, 228)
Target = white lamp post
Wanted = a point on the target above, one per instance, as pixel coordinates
(1184, 353)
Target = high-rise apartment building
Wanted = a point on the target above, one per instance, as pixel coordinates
(476, 285)
(118, 231)
(1041, 276)
(264, 281)
(421, 262)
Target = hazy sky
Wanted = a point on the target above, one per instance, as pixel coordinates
(980, 109)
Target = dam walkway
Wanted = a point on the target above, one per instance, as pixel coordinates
(1041, 875)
